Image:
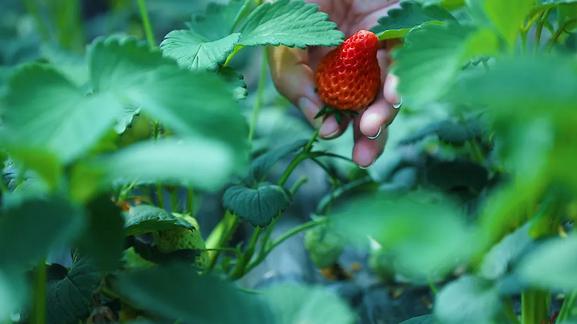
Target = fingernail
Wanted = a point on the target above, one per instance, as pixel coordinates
(329, 128)
(376, 135)
(364, 159)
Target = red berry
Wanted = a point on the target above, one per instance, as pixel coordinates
(349, 77)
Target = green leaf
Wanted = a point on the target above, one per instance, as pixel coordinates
(289, 23)
(103, 240)
(551, 265)
(176, 293)
(292, 303)
(45, 163)
(428, 63)
(208, 40)
(202, 163)
(423, 233)
(194, 51)
(324, 246)
(399, 21)
(39, 225)
(497, 262)
(13, 291)
(467, 300)
(59, 117)
(198, 105)
(143, 219)
(256, 205)
(508, 16)
(70, 299)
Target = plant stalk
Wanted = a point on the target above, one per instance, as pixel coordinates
(39, 306)
(146, 23)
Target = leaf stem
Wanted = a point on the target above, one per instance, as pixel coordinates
(535, 306)
(568, 307)
(259, 96)
(220, 235)
(39, 310)
(146, 23)
(235, 51)
(303, 155)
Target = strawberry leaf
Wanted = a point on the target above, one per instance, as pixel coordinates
(258, 205)
(289, 23)
(399, 21)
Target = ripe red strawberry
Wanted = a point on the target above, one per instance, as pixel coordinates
(349, 77)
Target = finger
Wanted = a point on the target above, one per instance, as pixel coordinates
(366, 151)
(390, 90)
(376, 117)
(294, 79)
(330, 128)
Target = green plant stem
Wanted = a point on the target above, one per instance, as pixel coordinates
(259, 96)
(220, 236)
(535, 306)
(331, 197)
(189, 201)
(558, 34)
(303, 155)
(146, 23)
(235, 51)
(39, 306)
(567, 309)
(242, 266)
(32, 8)
(539, 28)
(159, 195)
(283, 237)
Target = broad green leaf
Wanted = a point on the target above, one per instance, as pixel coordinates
(28, 231)
(177, 293)
(45, 163)
(103, 240)
(262, 164)
(13, 293)
(411, 14)
(145, 219)
(424, 233)
(519, 87)
(497, 262)
(289, 23)
(194, 51)
(256, 205)
(508, 16)
(467, 300)
(202, 163)
(198, 105)
(59, 117)
(208, 40)
(292, 303)
(428, 63)
(70, 299)
(551, 265)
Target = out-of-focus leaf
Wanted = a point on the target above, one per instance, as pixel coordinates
(28, 231)
(454, 175)
(324, 246)
(425, 234)
(423, 319)
(70, 299)
(256, 205)
(103, 240)
(45, 163)
(289, 23)
(145, 219)
(201, 163)
(58, 118)
(551, 265)
(199, 105)
(467, 300)
(291, 303)
(399, 21)
(505, 253)
(176, 293)
(433, 54)
(13, 293)
(508, 16)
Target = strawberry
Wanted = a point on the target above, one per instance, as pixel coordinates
(349, 77)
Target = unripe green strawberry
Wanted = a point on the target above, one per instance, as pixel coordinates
(172, 240)
(324, 247)
(349, 77)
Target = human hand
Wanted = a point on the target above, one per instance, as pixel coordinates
(293, 74)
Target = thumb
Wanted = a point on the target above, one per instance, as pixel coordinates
(294, 79)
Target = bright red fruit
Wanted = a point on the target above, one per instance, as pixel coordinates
(349, 77)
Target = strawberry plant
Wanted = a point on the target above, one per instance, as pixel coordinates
(153, 168)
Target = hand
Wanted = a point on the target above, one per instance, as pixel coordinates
(293, 74)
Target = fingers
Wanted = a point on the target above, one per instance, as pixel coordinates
(366, 150)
